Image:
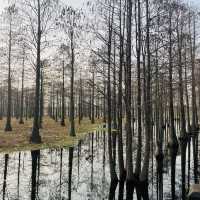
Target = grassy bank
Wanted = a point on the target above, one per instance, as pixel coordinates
(53, 135)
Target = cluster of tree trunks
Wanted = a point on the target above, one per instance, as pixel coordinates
(153, 90)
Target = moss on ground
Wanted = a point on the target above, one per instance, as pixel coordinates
(53, 134)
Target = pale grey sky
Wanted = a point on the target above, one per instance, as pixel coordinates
(75, 3)
(79, 3)
(195, 2)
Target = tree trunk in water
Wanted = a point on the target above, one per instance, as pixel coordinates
(186, 93)
(114, 104)
(183, 136)
(173, 139)
(120, 140)
(173, 154)
(139, 127)
(147, 104)
(192, 54)
(113, 173)
(129, 150)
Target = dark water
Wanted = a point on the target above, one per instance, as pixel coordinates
(79, 173)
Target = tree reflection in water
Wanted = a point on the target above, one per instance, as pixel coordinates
(82, 172)
(35, 168)
(6, 157)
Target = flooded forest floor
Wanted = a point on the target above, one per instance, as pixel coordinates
(82, 172)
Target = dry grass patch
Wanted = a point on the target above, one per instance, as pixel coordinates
(53, 134)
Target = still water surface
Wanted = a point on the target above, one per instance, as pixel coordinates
(77, 173)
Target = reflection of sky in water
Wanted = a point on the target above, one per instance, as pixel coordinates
(87, 183)
(49, 179)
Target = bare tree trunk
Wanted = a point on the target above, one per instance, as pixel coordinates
(62, 123)
(129, 150)
(186, 91)
(113, 173)
(148, 110)
(114, 103)
(139, 149)
(22, 92)
(173, 139)
(35, 137)
(92, 99)
(183, 136)
(41, 110)
(8, 119)
(80, 101)
(1, 103)
(72, 125)
(57, 106)
(180, 72)
(192, 54)
(120, 142)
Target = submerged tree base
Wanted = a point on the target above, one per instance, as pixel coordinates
(129, 189)
(144, 189)
(122, 176)
(159, 156)
(113, 187)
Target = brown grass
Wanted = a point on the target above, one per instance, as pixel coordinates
(53, 135)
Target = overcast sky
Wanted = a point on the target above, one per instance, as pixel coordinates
(75, 3)
(195, 2)
(79, 3)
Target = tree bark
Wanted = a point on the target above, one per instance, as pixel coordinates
(72, 124)
(8, 119)
(22, 91)
(173, 139)
(63, 95)
(129, 150)
(35, 137)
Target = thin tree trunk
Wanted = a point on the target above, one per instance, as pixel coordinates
(120, 140)
(72, 124)
(8, 119)
(63, 96)
(22, 91)
(41, 110)
(173, 139)
(113, 174)
(139, 149)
